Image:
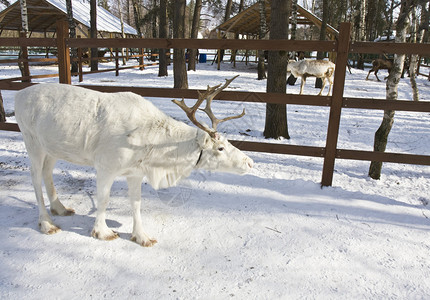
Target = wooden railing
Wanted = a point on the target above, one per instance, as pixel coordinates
(342, 47)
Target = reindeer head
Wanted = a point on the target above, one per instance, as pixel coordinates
(216, 153)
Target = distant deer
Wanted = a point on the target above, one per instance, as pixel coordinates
(379, 64)
(323, 69)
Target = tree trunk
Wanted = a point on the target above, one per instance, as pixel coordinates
(162, 33)
(226, 17)
(291, 79)
(121, 19)
(72, 34)
(381, 135)
(2, 112)
(361, 31)
(179, 65)
(236, 36)
(414, 57)
(262, 35)
(137, 17)
(154, 29)
(23, 54)
(323, 30)
(276, 114)
(194, 33)
(228, 10)
(93, 34)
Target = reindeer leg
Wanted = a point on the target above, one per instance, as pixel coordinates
(367, 78)
(323, 86)
(57, 208)
(302, 83)
(37, 157)
(330, 85)
(104, 183)
(376, 75)
(138, 235)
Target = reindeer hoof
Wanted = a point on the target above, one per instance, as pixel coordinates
(108, 236)
(144, 242)
(65, 212)
(48, 227)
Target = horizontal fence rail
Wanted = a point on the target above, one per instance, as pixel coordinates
(342, 47)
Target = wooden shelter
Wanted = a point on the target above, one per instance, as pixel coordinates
(247, 22)
(44, 14)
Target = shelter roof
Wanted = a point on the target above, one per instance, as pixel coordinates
(247, 22)
(43, 15)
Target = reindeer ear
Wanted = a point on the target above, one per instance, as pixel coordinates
(204, 140)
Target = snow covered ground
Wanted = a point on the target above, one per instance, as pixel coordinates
(271, 234)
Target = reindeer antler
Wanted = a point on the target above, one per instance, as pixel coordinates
(209, 95)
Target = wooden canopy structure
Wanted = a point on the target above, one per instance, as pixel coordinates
(247, 22)
(44, 14)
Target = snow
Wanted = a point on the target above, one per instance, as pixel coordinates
(271, 234)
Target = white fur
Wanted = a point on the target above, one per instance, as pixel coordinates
(120, 134)
(323, 69)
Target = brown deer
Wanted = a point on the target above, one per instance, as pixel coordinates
(378, 64)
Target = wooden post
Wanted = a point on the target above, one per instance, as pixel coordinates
(116, 62)
(80, 70)
(64, 72)
(141, 53)
(24, 57)
(336, 104)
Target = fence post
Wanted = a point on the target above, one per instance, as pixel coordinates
(116, 62)
(24, 63)
(336, 103)
(63, 53)
(141, 58)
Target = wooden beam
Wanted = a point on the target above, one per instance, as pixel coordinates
(336, 106)
(63, 54)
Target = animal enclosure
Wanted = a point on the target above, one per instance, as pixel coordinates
(342, 48)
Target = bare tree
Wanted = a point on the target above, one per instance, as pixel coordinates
(360, 29)
(23, 67)
(137, 16)
(228, 10)
(163, 33)
(2, 112)
(323, 30)
(72, 34)
(179, 65)
(381, 135)
(93, 34)
(276, 114)
(121, 19)
(236, 35)
(413, 58)
(291, 79)
(262, 35)
(194, 33)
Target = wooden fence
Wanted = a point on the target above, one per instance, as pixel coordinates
(342, 48)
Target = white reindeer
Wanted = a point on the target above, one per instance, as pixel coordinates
(323, 69)
(120, 134)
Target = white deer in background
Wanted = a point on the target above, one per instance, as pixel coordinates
(120, 134)
(323, 69)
